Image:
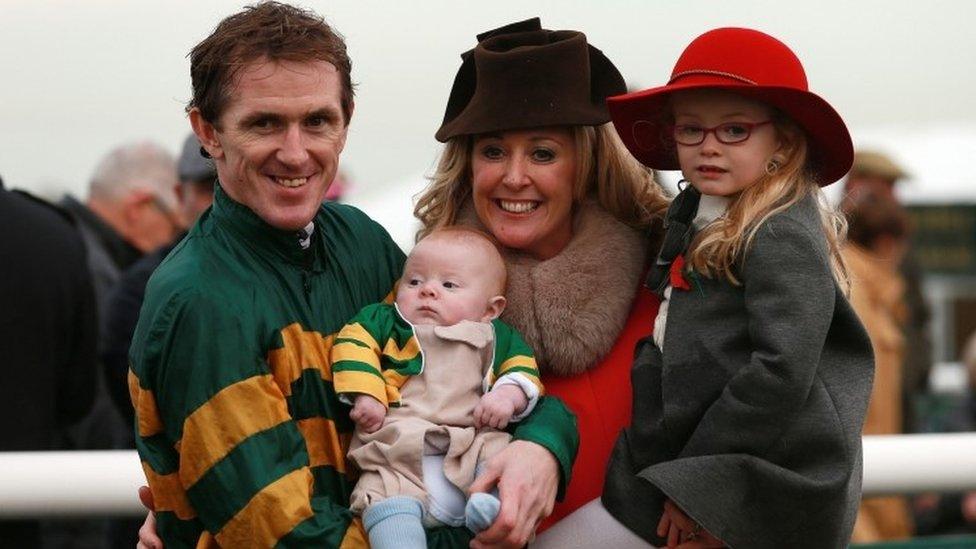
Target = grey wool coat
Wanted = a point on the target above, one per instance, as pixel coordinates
(751, 420)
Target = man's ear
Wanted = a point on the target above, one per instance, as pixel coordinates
(345, 130)
(495, 307)
(206, 133)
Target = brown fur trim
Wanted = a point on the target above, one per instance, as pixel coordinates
(571, 308)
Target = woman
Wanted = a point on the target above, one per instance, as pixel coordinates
(529, 158)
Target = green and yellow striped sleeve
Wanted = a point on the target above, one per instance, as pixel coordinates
(513, 355)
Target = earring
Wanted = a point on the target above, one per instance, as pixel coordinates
(772, 166)
(204, 153)
(682, 184)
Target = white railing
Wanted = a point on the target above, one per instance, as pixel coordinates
(81, 483)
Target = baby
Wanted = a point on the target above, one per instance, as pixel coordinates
(432, 381)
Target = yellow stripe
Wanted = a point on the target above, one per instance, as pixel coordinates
(353, 381)
(227, 419)
(207, 541)
(357, 332)
(355, 537)
(351, 351)
(326, 446)
(410, 349)
(301, 351)
(394, 378)
(144, 403)
(272, 513)
(525, 361)
(168, 493)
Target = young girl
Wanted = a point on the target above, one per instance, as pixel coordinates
(749, 398)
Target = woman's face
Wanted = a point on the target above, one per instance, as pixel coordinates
(523, 188)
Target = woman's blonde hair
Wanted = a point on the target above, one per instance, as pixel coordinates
(788, 180)
(605, 172)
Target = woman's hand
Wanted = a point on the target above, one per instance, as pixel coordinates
(147, 532)
(527, 477)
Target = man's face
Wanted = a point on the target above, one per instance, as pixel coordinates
(277, 144)
(878, 185)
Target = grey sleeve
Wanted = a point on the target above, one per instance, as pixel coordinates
(789, 294)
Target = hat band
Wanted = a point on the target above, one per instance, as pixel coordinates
(711, 73)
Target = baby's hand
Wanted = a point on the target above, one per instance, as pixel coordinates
(368, 413)
(499, 405)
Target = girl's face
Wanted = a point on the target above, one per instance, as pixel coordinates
(523, 188)
(717, 168)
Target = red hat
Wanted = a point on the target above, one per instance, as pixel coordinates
(748, 63)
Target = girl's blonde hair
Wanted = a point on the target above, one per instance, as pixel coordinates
(788, 180)
(605, 172)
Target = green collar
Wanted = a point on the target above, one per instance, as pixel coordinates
(251, 229)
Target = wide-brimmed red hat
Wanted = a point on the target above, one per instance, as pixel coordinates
(524, 76)
(746, 62)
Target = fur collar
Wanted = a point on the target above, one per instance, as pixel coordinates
(571, 308)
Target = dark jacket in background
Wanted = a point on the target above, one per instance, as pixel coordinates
(104, 427)
(47, 333)
(121, 315)
(751, 419)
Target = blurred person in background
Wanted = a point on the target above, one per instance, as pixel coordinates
(130, 210)
(876, 173)
(339, 188)
(194, 194)
(877, 240)
(48, 334)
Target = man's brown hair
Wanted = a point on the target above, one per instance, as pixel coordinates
(267, 30)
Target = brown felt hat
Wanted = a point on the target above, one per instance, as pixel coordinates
(523, 76)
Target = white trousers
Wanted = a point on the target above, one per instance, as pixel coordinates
(587, 527)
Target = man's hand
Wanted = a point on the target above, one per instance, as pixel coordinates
(527, 477)
(147, 532)
(497, 406)
(368, 413)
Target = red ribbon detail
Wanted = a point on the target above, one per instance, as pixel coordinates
(678, 280)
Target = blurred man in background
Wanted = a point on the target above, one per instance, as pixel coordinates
(194, 193)
(48, 334)
(130, 211)
(877, 174)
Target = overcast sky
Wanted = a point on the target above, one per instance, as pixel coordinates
(78, 77)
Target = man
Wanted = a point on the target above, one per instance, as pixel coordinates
(47, 334)
(241, 435)
(877, 174)
(129, 210)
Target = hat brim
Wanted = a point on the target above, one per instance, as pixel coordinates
(831, 150)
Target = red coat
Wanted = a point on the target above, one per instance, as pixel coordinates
(601, 399)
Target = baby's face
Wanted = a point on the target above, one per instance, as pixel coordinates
(447, 280)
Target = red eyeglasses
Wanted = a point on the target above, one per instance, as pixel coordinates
(728, 133)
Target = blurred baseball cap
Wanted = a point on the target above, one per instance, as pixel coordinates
(192, 165)
(875, 164)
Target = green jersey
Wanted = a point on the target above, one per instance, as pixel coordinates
(239, 430)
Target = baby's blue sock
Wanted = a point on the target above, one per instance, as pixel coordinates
(394, 523)
(481, 511)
